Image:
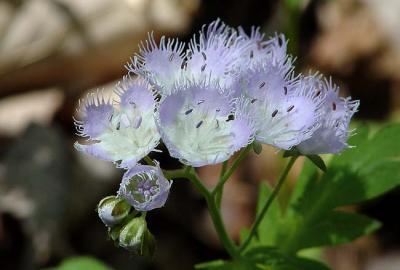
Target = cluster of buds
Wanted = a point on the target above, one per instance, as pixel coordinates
(125, 227)
(205, 100)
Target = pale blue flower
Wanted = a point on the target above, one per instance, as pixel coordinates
(199, 125)
(336, 113)
(145, 187)
(124, 132)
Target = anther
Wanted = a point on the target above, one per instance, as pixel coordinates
(199, 124)
(262, 85)
(200, 101)
(171, 57)
(274, 113)
(285, 90)
(204, 56)
(253, 100)
(334, 106)
(203, 67)
(118, 126)
(188, 111)
(251, 54)
(318, 93)
(290, 108)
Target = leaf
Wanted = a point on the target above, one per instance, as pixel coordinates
(81, 263)
(257, 147)
(272, 258)
(334, 228)
(359, 174)
(227, 265)
(318, 161)
(267, 230)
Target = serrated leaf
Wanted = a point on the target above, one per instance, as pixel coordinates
(352, 177)
(331, 229)
(272, 258)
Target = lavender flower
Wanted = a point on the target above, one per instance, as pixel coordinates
(160, 64)
(145, 187)
(331, 136)
(124, 133)
(198, 125)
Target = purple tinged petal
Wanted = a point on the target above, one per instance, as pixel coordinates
(331, 136)
(145, 187)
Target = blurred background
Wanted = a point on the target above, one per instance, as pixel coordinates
(52, 52)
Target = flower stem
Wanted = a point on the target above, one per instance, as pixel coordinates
(267, 204)
(220, 186)
(215, 215)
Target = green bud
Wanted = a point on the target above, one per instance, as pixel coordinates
(113, 210)
(136, 237)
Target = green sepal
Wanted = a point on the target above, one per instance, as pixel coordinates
(318, 161)
(257, 147)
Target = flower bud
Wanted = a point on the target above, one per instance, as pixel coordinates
(136, 238)
(113, 210)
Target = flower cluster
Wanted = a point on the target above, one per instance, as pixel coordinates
(206, 100)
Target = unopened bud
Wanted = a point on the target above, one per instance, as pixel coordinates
(136, 237)
(113, 210)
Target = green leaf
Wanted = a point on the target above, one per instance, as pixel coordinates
(318, 161)
(228, 265)
(360, 173)
(81, 263)
(267, 230)
(271, 258)
(257, 147)
(331, 229)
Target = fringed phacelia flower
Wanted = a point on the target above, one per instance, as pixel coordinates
(145, 187)
(161, 64)
(124, 132)
(198, 125)
(336, 113)
(285, 108)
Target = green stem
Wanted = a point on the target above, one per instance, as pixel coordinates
(268, 203)
(230, 171)
(149, 161)
(215, 215)
(173, 174)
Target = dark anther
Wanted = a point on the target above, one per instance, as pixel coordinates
(290, 108)
(218, 110)
(199, 124)
(262, 85)
(203, 67)
(285, 90)
(188, 111)
(334, 106)
(184, 65)
(318, 93)
(200, 101)
(118, 126)
(204, 56)
(253, 100)
(230, 118)
(171, 57)
(274, 113)
(251, 54)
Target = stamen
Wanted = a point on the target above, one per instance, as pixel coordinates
(253, 100)
(262, 85)
(218, 110)
(200, 101)
(188, 111)
(290, 108)
(203, 67)
(204, 56)
(318, 93)
(285, 90)
(171, 57)
(251, 54)
(199, 124)
(118, 126)
(334, 106)
(274, 113)
(230, 118)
